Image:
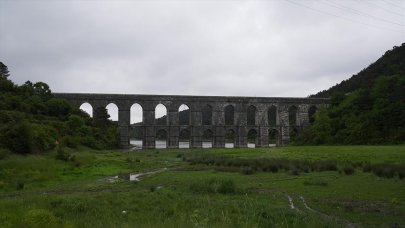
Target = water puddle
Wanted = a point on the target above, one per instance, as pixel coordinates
(291, 204)
(109, 179)
(136, 176)
(129, 176)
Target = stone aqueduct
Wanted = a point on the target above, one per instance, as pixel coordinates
(217, 124)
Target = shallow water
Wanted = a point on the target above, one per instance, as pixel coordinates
(161, 144)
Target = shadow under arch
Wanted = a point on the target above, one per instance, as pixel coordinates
(274, 137)
(251, 115)
(272, 116)
(136, 131)
(230, 138)
(252, 138)
(208, 138)
(161, 139)
(229, 114)
(184, 138)
(207, 115)
(184, 114)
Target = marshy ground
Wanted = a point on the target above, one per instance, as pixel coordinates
(333, 186)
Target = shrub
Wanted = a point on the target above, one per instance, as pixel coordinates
(273, 168)
(385, 170)
(16, 137)
(246, 170)
(294, 172)
(43, 138)
(19, 185)
(61, 154)
(70, 141)
(75, 122)
(227, 186)
(348, 169)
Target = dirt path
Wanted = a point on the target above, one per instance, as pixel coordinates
(341, 221)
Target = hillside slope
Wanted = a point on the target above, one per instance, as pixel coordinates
(391, 63)
(368, 108)
(32, 120)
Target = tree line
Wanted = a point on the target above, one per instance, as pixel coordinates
(368, 108)
(32, 120)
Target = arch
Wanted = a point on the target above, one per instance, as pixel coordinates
(87, 108)
(230, 138)
(311, 113)
(136, 133)
(160, 115)
(252, 138)
(274, 137)
(184, 139)
(112, 110)
(293, 115)
(208, 138)
(272, 116)
(184, 115)
(229, 113)
(251, 115)
(136, 114)
(161, 139)
(207, 115)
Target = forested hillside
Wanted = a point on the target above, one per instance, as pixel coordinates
(32, 120)
(390, 64)
(368, 108)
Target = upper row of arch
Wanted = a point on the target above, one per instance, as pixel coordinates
(187, 106)
(161, 110)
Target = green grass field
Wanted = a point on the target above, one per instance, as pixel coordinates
(207, 188)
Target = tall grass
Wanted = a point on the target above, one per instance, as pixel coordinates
(251, 165)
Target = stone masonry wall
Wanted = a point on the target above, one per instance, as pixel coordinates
(196, 128)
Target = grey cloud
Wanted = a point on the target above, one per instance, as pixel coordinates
(246, 48)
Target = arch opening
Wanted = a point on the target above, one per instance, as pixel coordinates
(184, 139)
(160, 115)
(311, 114)
(274, 139)
(161, 139)
(136, 129)
(293, 115)
(251, 115)
(136, 114)
(207, 139)
(207, 115)
(230, 138)
(184, 115)
(252, 138)
(87, 108)
(112, 110)
(272, 116)
(229, 115)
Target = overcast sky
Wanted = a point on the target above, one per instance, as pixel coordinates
(239, 48)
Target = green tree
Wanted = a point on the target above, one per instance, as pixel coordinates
(4, 73)
(100, 118)
(42, 90)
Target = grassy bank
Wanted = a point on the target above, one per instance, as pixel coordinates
(232, 191)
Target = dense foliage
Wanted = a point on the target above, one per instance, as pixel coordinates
(32, 120)
(368, 108)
